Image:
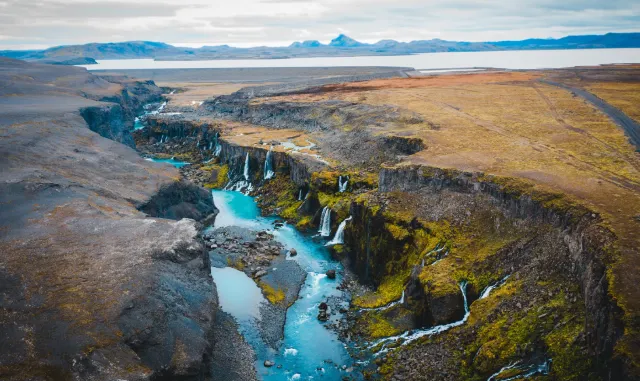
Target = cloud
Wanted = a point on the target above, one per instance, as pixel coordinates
(247, 22)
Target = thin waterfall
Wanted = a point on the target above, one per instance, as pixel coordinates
(268, 166)
(413, 335)
(217, 146)
(490, 288)
(338, 239)
(300, 196)
(246, 167)
(343, 186)
(388, 306)
(325, 222)
(210, 146)
(530, 370)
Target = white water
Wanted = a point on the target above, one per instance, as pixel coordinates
(529, 370)
(338, 239)
(490, 288)
(268, 166)
(300, 195)
(343, 186)
(325, 222)
(409, 337)
(246, 167)
(517, 59)
(388, 306)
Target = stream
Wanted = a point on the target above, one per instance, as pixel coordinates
(309, 349)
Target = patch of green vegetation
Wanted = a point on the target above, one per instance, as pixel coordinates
(221, 173)
(516, 335)
(378, 326)
(388, 291)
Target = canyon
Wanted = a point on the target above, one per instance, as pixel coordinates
(486, 223)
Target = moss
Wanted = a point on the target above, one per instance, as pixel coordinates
(274, 296)
(397, 232)
(390, 290)
(221, 173)
(378, 326)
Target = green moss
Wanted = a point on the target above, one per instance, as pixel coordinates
(397, 232)
(390, 290)
(221, 173)
(378, 326)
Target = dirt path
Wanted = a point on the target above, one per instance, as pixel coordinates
(630, 126)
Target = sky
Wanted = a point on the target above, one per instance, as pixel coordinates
(38, 24)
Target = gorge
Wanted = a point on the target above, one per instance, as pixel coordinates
(315, 230)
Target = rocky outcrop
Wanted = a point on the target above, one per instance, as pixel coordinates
(110, 122)
(181, 200)
(307, 116)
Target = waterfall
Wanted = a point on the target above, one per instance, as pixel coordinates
(388, 306)
(268, 169)
(246, 167)
(413, 335)
(210, 145)
(300, 196)
(343, 186)
(530, 370)
(217, 146)
(325, 222)
(338, 239)
(490, 288)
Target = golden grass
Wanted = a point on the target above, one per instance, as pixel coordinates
(625, 96)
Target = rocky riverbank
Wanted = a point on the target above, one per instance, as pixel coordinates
(264, 260)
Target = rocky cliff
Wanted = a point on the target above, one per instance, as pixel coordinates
(93, 288)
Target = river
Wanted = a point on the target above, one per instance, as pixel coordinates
(308, 344)
(520, 59)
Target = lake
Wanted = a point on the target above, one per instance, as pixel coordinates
(521, 59)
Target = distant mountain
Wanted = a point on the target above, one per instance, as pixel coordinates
(343, 41)
(306, 44)
(339, 46)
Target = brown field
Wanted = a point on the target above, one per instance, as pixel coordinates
(191, 94)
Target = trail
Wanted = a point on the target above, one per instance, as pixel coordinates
(630, 126)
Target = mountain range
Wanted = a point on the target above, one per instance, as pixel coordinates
(340, 46)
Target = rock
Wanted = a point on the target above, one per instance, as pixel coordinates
(293, 252)
(322, 315)
(268, 364)
(260, 274)
(331, 274)
(323, 306)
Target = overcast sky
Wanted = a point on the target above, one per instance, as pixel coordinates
(43, 23)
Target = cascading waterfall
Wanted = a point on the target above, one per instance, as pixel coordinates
(338, 239)
(342, 187)
(246, 167)
(268, 166)
(325, 222)
(413, 335)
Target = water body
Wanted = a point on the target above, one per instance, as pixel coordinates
(172, 161)
(307, 343)
(521, 59)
